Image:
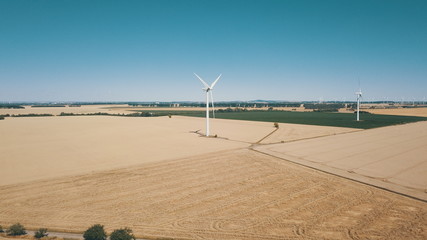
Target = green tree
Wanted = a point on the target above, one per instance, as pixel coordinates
(42, 232)
(96, 232)
(122, 234)
(16, 230)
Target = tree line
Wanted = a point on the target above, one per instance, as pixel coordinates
(95, 232)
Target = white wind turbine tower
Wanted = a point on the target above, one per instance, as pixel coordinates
(359, 96)
(208, 89)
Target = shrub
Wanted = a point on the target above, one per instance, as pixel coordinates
(276, 125)
(1, 229)
(362, 112)
(96, 232)
(122, 234)
(16, 230)
(42, 232)
(11, 106)
(326, 110)
(66, 114)
(33, 115)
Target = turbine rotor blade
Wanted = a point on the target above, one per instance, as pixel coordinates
(201, 80)
(213, 84)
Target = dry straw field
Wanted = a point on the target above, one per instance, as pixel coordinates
(158, 177)
(237, 194)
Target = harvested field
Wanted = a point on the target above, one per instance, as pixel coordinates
(44, 147)
(393, 157)
(419, 112)
(36, 148)
(411, 111)
(158, 177)
(294, 132)
(237, 194)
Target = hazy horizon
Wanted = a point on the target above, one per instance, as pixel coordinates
(141, 51)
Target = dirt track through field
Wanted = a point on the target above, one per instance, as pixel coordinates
(236, 194)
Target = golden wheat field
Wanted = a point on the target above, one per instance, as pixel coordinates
(400, 111)
(420, 112)
(393, 157)
(163, 180)
(235, 194)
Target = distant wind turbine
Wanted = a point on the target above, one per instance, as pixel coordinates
(208, 89)
(359, 96)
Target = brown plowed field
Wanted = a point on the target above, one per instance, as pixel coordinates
(233, 194)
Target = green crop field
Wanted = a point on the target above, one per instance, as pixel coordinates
(311, 118)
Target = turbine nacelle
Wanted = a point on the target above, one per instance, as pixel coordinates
(207, 87)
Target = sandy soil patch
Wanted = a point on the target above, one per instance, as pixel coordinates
(4, 236)
(239, 194)
(396, 154)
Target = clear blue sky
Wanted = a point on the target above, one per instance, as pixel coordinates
(57, 50)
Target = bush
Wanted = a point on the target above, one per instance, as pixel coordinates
(32, 115)
(66, 114)
(16, 230)
(42, 232)
(122, 234)
(1, 229)
(96, 232)
(11, 106)
(362, 112)
(276, 125)
(326, 110)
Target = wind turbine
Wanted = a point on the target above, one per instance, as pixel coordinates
(359, 96)
(208, 89)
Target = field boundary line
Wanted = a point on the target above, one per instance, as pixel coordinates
(390, 187)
